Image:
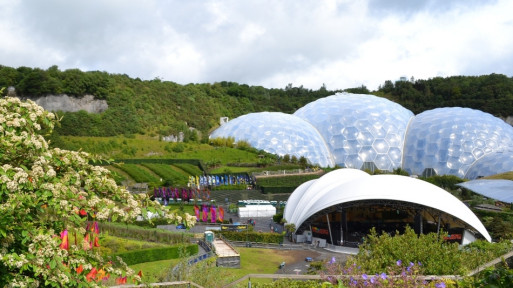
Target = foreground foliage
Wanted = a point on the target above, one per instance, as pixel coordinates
(437, 256)
(47, 194)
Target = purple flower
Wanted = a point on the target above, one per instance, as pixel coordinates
(353, 281)
(440, 285)
(409, 267)
(333, 260)
(373, 280)
(399, 262)
(420, 264)
(364, 276)
(383, 276)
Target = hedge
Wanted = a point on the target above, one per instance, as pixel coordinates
(260, 237)
(276, 190)
(145, 234)
(139, 174)
(167, 173)
(155, 254)
(189, 168)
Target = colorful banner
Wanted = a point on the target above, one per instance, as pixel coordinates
(197, 212)
(213, 214)
(204, 217)
(221, 214)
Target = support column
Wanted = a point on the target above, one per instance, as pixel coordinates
(342, 227)
(438, 226)
(329, 228)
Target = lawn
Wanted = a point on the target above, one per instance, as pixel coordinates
(253, 261)
(262, 261)
(154, 271)
(141, 146)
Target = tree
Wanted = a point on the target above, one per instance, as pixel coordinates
(303, 162)
(47, 197)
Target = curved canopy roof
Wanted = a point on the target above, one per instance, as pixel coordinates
(349, 185)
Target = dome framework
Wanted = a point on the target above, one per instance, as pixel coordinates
(372, 133)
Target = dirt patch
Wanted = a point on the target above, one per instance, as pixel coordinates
(294, 256)
(295, 260)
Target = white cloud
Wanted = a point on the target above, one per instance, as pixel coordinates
(271, 43)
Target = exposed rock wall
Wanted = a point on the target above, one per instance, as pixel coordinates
(509, 120)
(71, 104)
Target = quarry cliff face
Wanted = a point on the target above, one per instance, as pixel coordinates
(509, 120)
(67, 103)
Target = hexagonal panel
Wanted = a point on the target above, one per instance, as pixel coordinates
(365, 117)
(278, 133)
(461, 135)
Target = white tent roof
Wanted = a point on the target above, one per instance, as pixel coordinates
(348, 185)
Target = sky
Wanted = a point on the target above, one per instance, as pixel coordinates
(337, 43)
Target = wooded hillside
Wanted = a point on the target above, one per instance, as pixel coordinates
(165, 108)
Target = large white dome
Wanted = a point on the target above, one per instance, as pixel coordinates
(491, 164)
(278, 133)
(451, 140)
(360, 129)
(370, 132)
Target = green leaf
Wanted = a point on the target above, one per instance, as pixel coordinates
(53, 264)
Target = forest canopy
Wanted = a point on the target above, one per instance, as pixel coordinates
(167, 108)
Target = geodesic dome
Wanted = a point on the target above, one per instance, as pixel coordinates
(278, 133)
(450, 140)
(362, 131)
(491, 164)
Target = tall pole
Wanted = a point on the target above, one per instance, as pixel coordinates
(329, 228)
(438, 225)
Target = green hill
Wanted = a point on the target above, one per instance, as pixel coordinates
(161, 108)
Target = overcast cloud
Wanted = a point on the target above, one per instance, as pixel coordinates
(341, 44)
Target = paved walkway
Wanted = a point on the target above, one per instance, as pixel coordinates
(340, 253)
(224, 250)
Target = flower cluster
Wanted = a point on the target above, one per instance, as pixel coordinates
(45, 190)
(397, 276)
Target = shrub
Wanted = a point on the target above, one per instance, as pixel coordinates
(167, 173)
(145, 234)
(437, 256)
(154, 254)
(137, 173)
(251, 236)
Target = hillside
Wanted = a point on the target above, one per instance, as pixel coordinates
(162, 108)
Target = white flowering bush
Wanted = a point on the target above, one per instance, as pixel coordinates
(47, 194)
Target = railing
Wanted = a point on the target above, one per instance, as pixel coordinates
(268, 245)
(162, 284)
(248, 277)
(284, 172)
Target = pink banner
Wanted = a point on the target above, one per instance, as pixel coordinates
(205, 214)
(196, 211)
(213, 214)
(221, 214)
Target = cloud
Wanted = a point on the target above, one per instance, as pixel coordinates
(342, 43)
